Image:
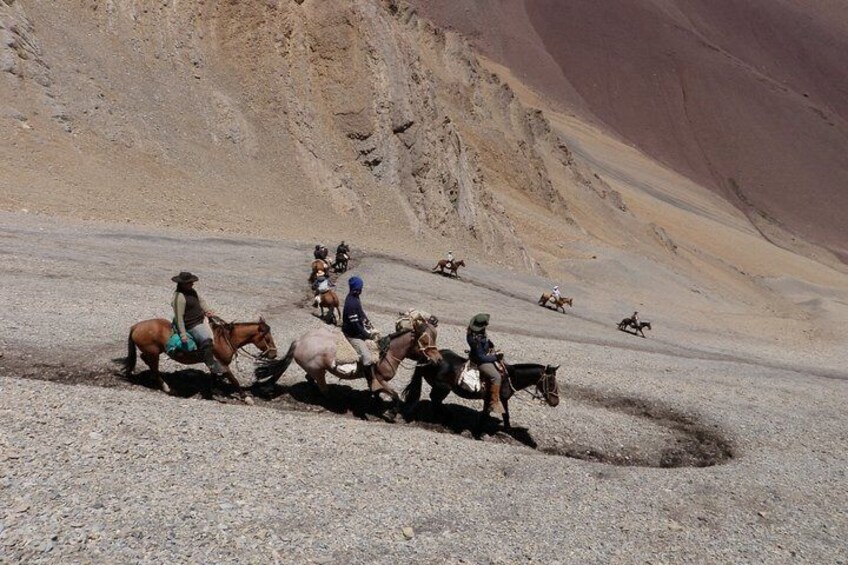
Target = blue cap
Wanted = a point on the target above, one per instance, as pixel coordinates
(355, 283)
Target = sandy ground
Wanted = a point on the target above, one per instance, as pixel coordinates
(121, 472)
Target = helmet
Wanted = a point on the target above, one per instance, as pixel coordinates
(355, 283)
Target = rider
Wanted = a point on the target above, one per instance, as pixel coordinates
(320, 252)
(355, 327)
(555, 295)
(190, 313)
(321, 285)
(634, 319)
(450, 260)
(342, 249)
(482, 354)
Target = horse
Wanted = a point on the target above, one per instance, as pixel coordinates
(637, 327)
(151, 336)
(451, 266)
(331, 301)
(318, 265)
(559, 303)
(315, 352)
(341, 262)
(443, 379)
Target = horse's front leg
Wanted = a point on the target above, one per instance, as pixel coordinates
(505, 404)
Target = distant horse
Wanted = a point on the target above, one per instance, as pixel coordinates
(559, 303)
(341, 263)
(318, 265)
(151, 337)
(637, 327)
(329, 300)
(315, 352)
(451, 266)
(443, 379)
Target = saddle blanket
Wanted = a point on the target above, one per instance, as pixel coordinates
(469, 379)
(176, 346)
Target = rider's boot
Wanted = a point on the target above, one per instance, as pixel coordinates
(208, 353)
(495, 399)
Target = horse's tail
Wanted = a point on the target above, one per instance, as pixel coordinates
(271, 371)
(412, 392)
(128, 363)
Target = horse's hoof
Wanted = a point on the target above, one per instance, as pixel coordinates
(248, 400)
(165, 388)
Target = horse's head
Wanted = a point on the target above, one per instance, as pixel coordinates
(425, 343)
(569, 301)
(646, 325)
(264, 341)
(460, 263)
(548, 387)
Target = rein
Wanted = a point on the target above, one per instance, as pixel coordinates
(534, 396)
(226, 333)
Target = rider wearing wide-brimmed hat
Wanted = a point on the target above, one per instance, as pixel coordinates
(482, 353)
(190, 314)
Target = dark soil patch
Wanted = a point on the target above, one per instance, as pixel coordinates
(695, 444)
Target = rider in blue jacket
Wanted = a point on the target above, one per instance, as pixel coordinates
(355, 326)
(482, 354)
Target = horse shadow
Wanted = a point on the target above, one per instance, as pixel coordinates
(185, 383)
(464, 421)
(341, 399)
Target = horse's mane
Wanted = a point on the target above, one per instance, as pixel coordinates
(521, 366)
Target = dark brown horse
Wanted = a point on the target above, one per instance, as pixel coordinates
(318, 265)
(315, 352)
(151, 337)
(451, 266)
(559, 303)
(443, 379)
(329, 300)
(637, 327)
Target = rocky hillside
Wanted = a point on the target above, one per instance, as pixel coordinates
(295, 118)
(747, 97)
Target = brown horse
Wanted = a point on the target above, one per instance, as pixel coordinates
(315, 352)
(318, 265)
(443, 379)
(151, 337)
(559, 304)
(452, 267)
(329, 300)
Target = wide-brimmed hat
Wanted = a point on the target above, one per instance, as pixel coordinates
(319, 274)
(184, 277)
(479, 323)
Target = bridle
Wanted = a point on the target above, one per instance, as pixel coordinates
(547, 389)
(236, 350)
(420, 346)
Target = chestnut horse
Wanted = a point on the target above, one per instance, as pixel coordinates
(315, 352)
(318, 265)
(151, 337)
(452, 268)
(443, 379)
(558, 303)
(331, 301)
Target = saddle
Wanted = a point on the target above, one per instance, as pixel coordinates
(345, 353)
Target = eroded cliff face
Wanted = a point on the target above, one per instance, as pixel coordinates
(305, 117)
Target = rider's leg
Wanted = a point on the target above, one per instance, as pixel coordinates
(492, 377)
(203, 336)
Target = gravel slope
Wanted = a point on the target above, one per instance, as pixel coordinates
(120, 472)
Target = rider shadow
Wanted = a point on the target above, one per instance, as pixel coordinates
(462, 420)
(341, 399)
(185, 383)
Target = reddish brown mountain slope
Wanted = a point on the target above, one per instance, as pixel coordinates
(749, 97)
